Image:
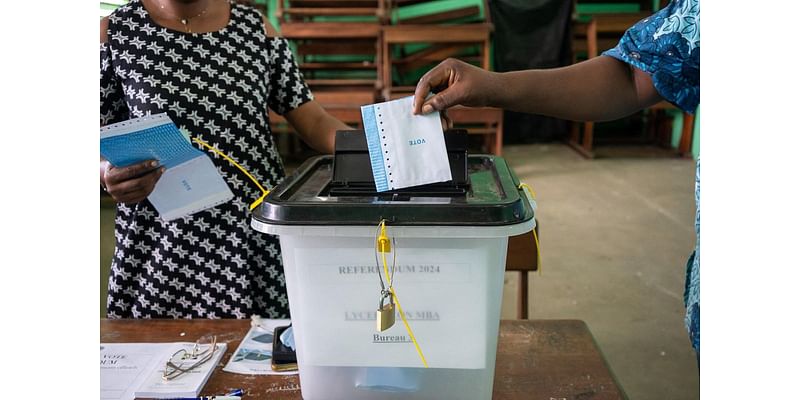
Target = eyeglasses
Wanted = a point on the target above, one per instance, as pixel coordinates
(183, 361)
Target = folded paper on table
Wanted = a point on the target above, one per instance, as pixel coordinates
(191, 182)
(405, 150)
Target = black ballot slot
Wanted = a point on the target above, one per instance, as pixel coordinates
(352, 170)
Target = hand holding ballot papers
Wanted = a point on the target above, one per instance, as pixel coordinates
(133, 183)
(151, 157)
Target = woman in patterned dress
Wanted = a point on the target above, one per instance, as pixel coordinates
(657, 59)
(214, 67)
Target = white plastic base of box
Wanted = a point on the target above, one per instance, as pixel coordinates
(383, 383)
(449, 282)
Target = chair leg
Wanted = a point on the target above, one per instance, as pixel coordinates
(591, 39)
(488, 140)
(588, 136)
(583, 147)
(386, 69)
(574, 132)
(522, 296)
(687, 131)
(498, 138)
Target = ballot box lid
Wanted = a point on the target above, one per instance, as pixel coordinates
(490, 197)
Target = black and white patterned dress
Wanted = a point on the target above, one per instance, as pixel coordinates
(217, 86)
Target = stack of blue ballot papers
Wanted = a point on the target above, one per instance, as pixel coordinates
(191, 182)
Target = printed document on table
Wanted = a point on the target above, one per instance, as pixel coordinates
(130, 370)
(191, 182)
(124, 366)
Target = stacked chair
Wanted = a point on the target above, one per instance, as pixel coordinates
(414, 45)
(357, 52)
(336, 44)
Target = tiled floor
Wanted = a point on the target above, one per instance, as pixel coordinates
(615, 234)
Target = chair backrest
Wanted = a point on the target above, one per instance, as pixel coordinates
(308, 10)
(468, 13)
(443, 40)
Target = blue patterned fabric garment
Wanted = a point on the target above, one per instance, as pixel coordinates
(691, 293)
(666, 45)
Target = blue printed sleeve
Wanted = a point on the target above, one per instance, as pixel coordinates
(666, 45)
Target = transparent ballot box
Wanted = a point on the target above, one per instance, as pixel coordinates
(444, 259)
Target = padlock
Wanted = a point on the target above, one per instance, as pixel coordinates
(385, 315)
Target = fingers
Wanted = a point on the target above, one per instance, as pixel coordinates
(115, 175)
(437, 77)
(442, 101)
(146, 181)
(134, 189)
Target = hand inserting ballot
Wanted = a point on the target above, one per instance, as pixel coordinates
(455, 82)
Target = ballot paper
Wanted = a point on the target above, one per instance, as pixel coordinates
(405, 150)
(254, 354)
(130, 370)
(191, 182)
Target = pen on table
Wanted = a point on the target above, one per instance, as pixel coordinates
(222, 397)
(234, 395)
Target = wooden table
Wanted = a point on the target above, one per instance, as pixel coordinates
(536, 359)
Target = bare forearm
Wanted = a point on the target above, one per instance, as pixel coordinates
(327, 126)
(315, 126)
(599, 89)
